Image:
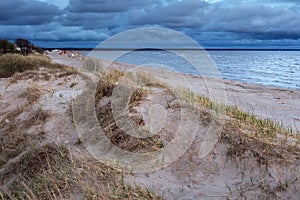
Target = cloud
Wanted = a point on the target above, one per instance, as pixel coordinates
(53, 32)
(29, 12)
(94, 21)
(105, 6)
(59, 3)
(259, 21)
(186, 13)
(209, 21)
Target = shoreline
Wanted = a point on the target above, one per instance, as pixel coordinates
(250, 158)
(267, 102)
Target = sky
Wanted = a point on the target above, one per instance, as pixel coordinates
(212, 23)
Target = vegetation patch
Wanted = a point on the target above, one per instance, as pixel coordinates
(50, 171)
(105, 88)
(11, 64)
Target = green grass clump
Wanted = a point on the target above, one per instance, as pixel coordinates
(13, 63)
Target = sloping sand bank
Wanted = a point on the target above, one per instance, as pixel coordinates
(241, 165)
(279, 104)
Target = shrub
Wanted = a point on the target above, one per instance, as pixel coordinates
(24, 45)
(13, 63)
(6, 47)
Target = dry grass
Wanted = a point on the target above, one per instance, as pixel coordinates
(12, 144)
(31, 168)
(240, 143)
(263, 129)
(31, 95)
(13, 131)
(117, 136)
(63, 70)
(7, 122)
(137, 96)
(52, 172)
(248, 138)
(36, 118)
(246, 135)
(93, 65)
(11, 64)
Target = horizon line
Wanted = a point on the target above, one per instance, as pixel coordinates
(170, 49)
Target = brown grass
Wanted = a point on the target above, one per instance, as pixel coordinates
(93, 65)
(31, 168)
(7, 122)
(239, 144)
(117, 136)
(38, 117)
(51, 171)
(137, 96)
(245, 135)
(12, 144)
(11, 64)
(107, 83)
(31, 95)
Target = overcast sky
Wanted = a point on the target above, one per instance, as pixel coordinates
(213, 23)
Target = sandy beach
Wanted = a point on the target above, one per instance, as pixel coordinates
(150, 100)
(231, 170)
(234, 160)
(278, 104)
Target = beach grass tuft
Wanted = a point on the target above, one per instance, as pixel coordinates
(11, 64)
(50, 171)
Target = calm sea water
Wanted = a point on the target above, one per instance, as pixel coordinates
(271, 68)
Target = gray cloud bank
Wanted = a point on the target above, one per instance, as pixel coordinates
(226, 22)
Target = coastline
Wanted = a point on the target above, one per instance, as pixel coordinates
(250, 158)
(278, 104)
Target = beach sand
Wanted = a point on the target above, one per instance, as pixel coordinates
(250, 172)
(239, 165)
(278, 104)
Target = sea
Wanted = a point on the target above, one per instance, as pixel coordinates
(279, 68)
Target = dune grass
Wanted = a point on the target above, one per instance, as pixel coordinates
(11, 64)
(51, 171)
(260, 128)
(30, 169)
(242, 131)
(107, 83)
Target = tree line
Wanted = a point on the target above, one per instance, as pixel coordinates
(20, 45)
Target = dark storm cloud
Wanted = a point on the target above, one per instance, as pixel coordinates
(93, 21)
(259, 21)
(29, 12)
(104, 6)
(252, 19)
(279, 35)
(53, 32)
(226, 21)
(186, 13)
